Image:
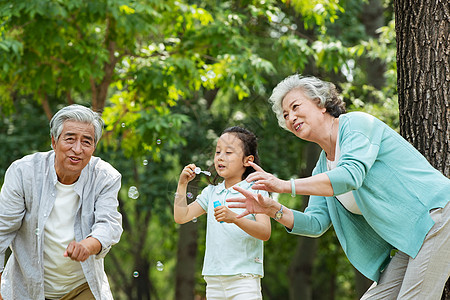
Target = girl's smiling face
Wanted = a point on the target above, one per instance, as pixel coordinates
(229, 159)
(302, 116)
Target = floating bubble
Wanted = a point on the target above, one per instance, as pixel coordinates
(135, 274)
(190, 195)
(158, 141)
(159, 266)
(123, 124)
(145, 162)
(133, 192)
(37, 231)
(194, 220)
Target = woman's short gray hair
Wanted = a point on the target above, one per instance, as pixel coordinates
(325, 94)
(76, 113)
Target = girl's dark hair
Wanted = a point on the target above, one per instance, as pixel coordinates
(250, 146)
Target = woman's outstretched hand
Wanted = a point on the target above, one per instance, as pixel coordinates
(253, 203)
(266, 181)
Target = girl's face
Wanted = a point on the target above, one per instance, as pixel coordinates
(229, 160)
(302, 116)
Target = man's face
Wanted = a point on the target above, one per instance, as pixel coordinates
(73, 150)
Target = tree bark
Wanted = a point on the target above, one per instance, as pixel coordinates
(300, 271)
(186, 259)
(423, 69)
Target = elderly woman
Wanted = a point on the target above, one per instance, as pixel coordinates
(376, 189)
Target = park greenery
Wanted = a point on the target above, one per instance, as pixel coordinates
(168, 77)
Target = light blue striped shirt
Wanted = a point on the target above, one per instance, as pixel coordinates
(26, 200)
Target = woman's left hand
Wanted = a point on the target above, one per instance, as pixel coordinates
(266, 181)
(252, 203)
(224, 214)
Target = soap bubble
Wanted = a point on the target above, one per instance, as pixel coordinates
(189, 195)
(145, 162)
(194, 220)
(135, 274)
(123, 124)
(133, 192)
(37, 231)
(158, 141)
(159, 266)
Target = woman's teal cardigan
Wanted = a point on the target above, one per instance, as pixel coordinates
(394, 187)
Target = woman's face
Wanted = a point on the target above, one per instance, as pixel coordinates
(302, 115)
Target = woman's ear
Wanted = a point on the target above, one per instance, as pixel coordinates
(247, 159)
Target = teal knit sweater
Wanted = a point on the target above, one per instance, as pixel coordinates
(394, 187)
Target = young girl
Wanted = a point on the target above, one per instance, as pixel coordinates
(233, 264)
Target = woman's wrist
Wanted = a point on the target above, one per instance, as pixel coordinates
(274, 208)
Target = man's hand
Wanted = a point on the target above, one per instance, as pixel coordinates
(80, 251)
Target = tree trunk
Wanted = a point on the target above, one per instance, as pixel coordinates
(423, 63)
(300, 271)
(186, 258)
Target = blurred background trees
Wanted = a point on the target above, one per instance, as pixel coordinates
(169, 77)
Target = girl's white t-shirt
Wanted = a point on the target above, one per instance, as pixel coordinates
(61, 274)
(346, 199)
(229, 249)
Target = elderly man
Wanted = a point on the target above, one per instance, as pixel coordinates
(58, 213)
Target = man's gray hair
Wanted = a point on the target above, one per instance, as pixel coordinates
(76, 113)
(323, 92)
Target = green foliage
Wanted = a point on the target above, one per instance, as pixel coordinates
(177, 73)
(317, 12)
(24, 132)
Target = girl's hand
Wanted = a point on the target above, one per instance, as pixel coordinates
(224, 214)
(187, 174)
(266, 181)
(253, 203)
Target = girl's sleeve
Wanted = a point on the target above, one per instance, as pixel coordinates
(202, 199)
(263, 193)
(359, 144)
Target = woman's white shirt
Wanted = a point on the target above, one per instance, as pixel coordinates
(346, 199)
